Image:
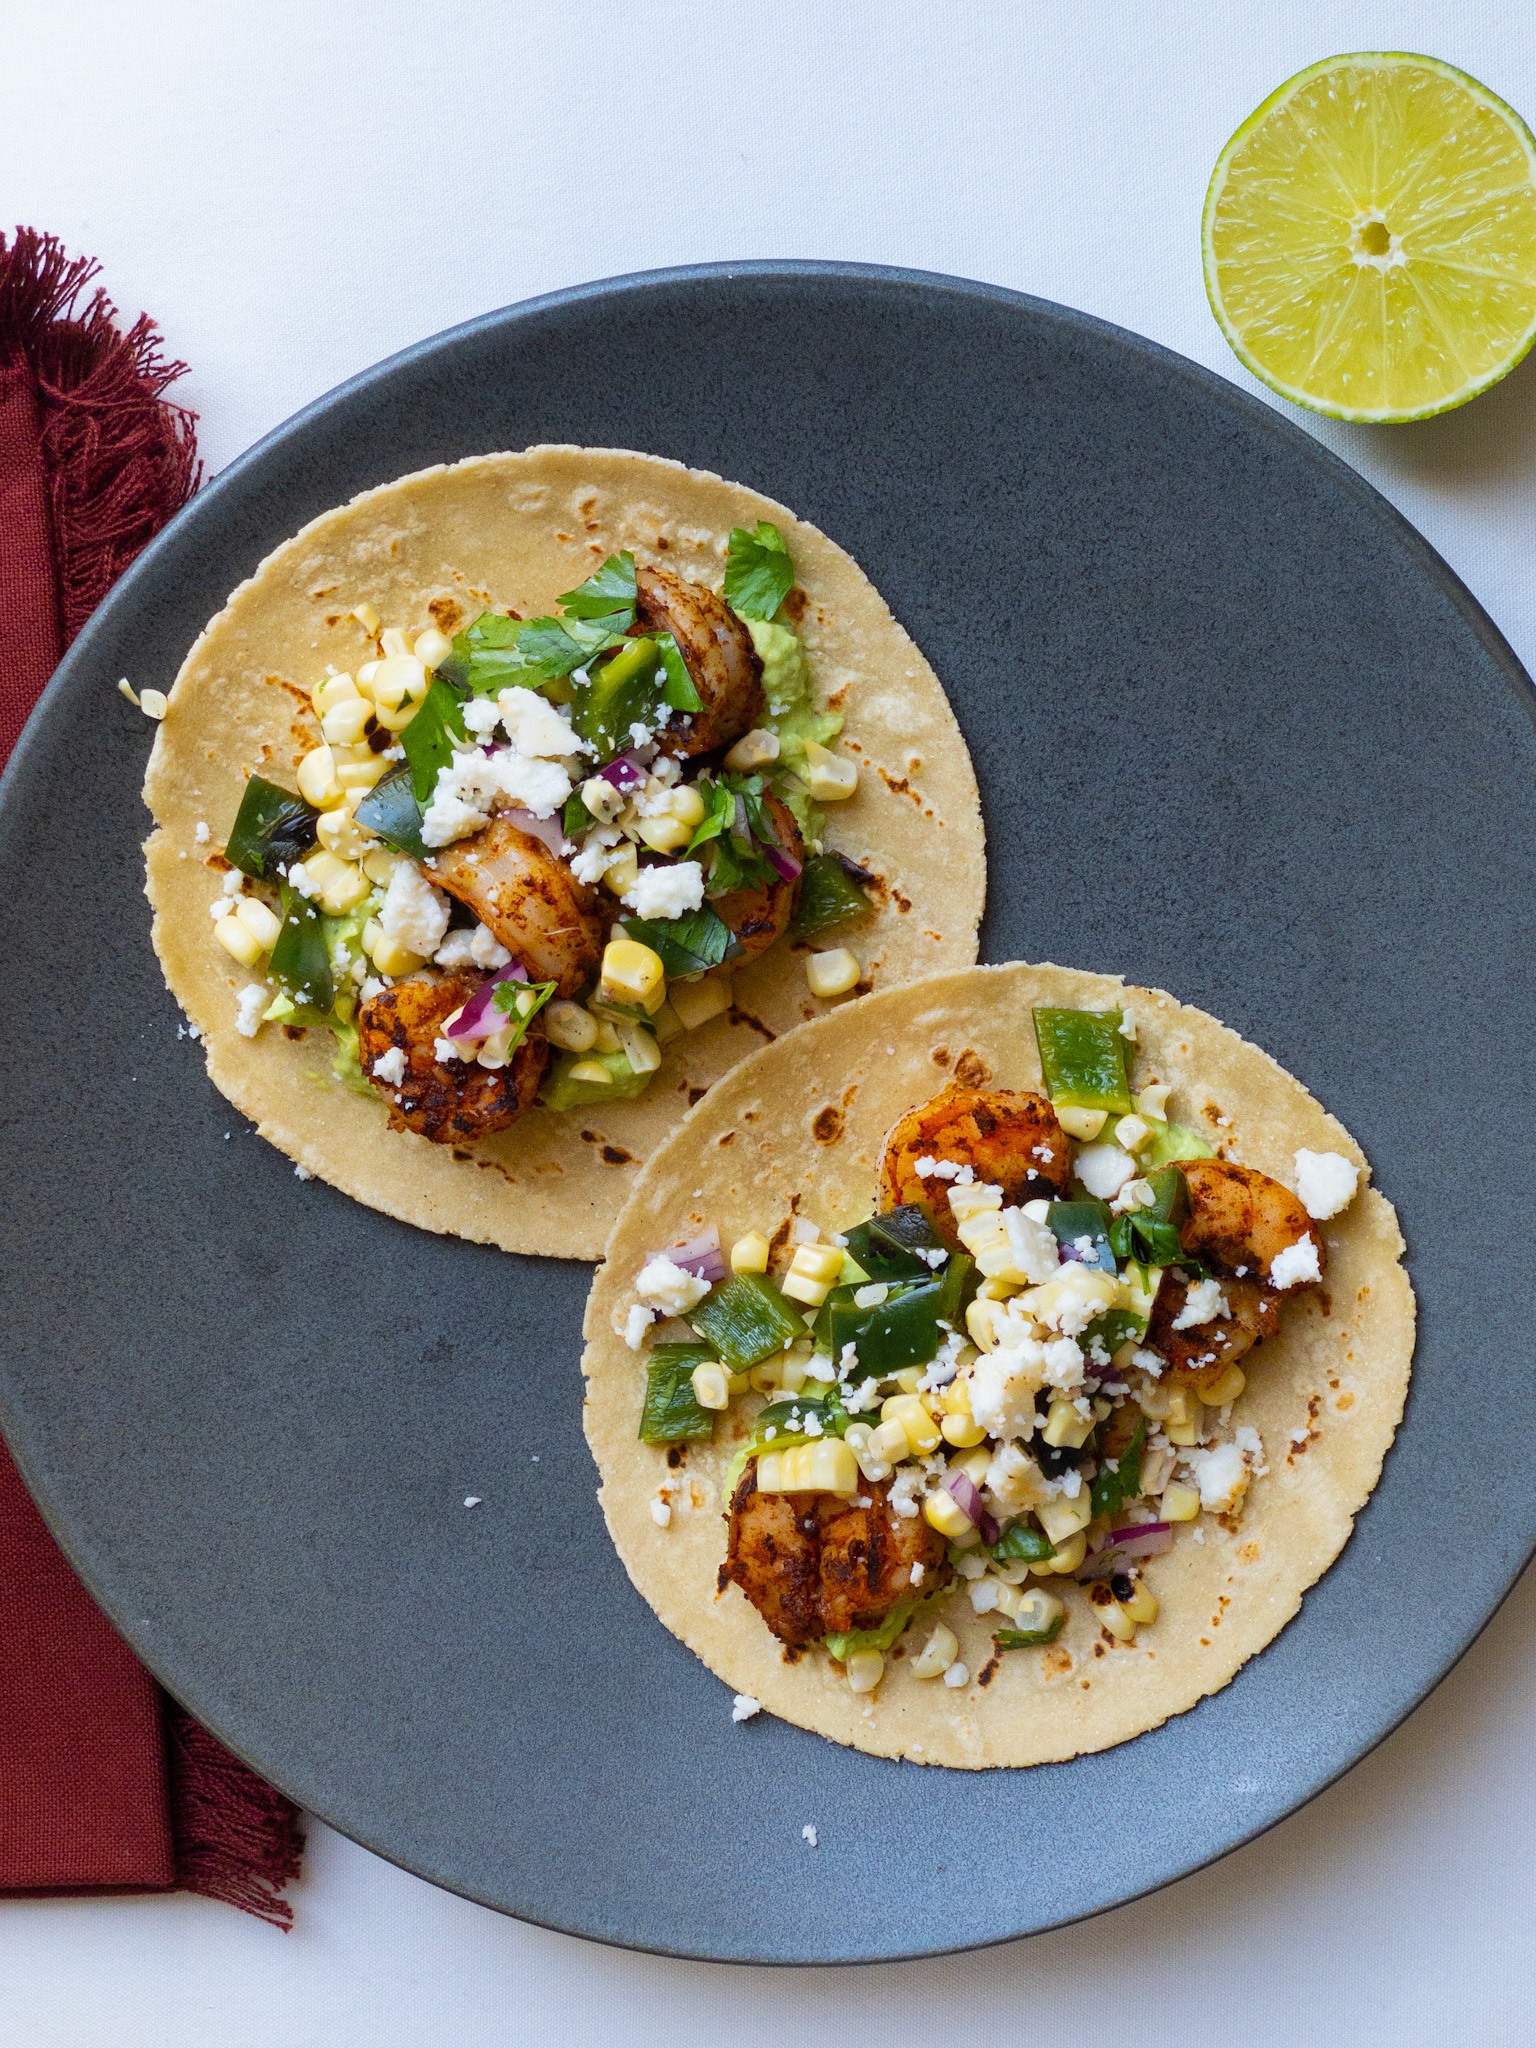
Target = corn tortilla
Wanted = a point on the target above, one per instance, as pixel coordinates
(800, 1128)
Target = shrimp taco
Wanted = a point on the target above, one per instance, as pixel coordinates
(986, 1377)
(509, 806)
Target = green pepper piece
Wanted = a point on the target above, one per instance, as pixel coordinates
(1082, 1056)
(1157, 1231)
(782, 1424)
(671, 1415)
(690, 944)
(272, 828)
(1119, 1479)
(1021, 1541)
(1072, 1222)
(576, 820)
(1107, 1332)
(391, 813)
(428, 739)
(622, 692)
(900, 1331)
(747, 1319)
(828, 896)
(908, 1228)
(301, 960)
(881, 1259)
(560, 1092)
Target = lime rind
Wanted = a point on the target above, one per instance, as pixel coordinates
(1438, 319)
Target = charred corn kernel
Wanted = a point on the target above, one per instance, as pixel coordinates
(1142, 1605)
(922, 1431)
(943, 1512)
(394, 643)
(663, 833)
(399, 684)
(1082, 1124)
(358, 775)
(619, 876)
(593, 1071)
(1152, 1102)
(1180, 1503)
(865, 1670)
(333, 690)
(432, 648)
(366, 617)
(937, 1654)
(388, 955)
(698, 1002)
(239, 941)
(339, 832)
(568, 1025)
(632, 974)
(749, 1254)
(973, 1198)
(317, 779)
(344, 725)
(756, 749)
(827, 1466)
(829, 777)
(337, 885)
(1065, 1558)
(709, 1385)
(260, 921)
(379, 864)
(859, 1438)
(1221, 1393)
(1066, 1428)
(1063, 1516)
(1109, 1614)
(832, 973)
(888, 1441)
(813, 1272)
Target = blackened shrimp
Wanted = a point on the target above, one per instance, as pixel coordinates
(529, 898)
(448, 1101)
(720, 658)
(1009, 1138)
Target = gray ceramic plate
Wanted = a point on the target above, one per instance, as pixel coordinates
(1239, 732)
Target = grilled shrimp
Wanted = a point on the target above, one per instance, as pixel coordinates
(757, 917)
(1010, 1138)
(446, 1102)
(814, 1564)
(1240, 1221)
(724, 665)
(530, 899)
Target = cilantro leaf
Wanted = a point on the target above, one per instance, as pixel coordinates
(677, 688)
(508, 999)
(606, 594)
(684, 945)
(428, 739)
(1113, 1488)
(758, 571)
(485, 659)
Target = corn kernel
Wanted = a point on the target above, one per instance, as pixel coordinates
(698, 1002)
(262, 922)
(937, 1654)
(829, 777)
(813, 1272)
(1180, 1503)
(317, 779)
(832, 973)
(1185, 1434)
(1065, 1558)
(974, 1465)
(865, 1670)
(922, 1432)
(380, 864)
(664, 834)
(685, 804)
(154, 704)
(888, 1442)
(1006, 1598)
(1152, 1102)
(399, 684)
(345, 724)
(1136, 1194)
(1066, 1428)
(1180, 1424)
(1142, 1605)
(756, 749)
(859, 1438)
(366, 617)
(981, 1324)
(394, 643)
(1083, 1124)
(339, 832)
(592, 1072)
(432, 648)
(910, 1378)
(331, 691)
(619, 876)
(1061, 1517)
(943, 1512)
(1220, 1393)
(238, 940)
(569, 1026)
(387, 954)
(709, 1385)
(337, 885)
(971, 1198)
(632, 973)
(959, 1426)
(358, 775)
(749, 1254)
(827, 1466)
(1111, 1615)
(1132, 1132)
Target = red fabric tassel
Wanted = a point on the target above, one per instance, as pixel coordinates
(104, 1785)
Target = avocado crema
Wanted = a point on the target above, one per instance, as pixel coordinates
(1025, 1368)
(522, 859)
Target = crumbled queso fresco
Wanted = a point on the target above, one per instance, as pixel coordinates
(1034, 1382)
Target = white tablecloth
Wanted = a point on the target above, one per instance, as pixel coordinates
(298, 187)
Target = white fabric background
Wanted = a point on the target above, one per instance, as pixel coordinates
(296, 188)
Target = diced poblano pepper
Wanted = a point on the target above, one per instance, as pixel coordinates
(747, 1319)
(1082, 1055)
(671, 1414)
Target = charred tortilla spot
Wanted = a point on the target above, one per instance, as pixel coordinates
(827, 1125)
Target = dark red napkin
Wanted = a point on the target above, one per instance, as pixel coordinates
(105, 1784)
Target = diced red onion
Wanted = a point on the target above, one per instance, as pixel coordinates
(963, 1490)
(784, 864)
(546, 830)
(623, 773)
(701, 1256)
(1136, 1539)
(479, 1017)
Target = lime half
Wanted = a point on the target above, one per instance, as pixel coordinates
(1370, 238)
